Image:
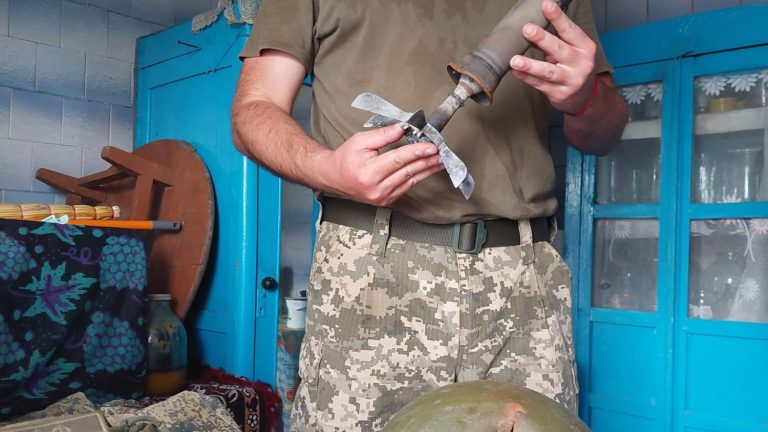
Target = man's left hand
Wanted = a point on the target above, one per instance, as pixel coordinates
(567, 77)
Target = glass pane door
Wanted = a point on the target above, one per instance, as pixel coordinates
(631, 173)
(728, 275)
(729, 142)
(625, 263)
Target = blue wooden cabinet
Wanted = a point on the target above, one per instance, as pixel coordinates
(667, 236)
(184, 87)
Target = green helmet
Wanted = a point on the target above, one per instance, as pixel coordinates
(484, 406)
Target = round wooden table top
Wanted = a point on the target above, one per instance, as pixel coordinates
(176, 259)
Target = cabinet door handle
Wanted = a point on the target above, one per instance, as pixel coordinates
(269, 283)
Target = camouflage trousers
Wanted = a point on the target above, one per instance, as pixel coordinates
(390, 319)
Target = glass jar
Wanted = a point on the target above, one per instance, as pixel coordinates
(166, 348)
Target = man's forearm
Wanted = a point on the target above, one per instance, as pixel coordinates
(599, 129)
(268, 135)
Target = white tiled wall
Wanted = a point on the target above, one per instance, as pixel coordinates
(66, 84)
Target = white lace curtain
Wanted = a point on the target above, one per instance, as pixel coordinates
(244, 12)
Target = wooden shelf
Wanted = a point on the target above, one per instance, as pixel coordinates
(706, 124)
(731, 121)
(643, 129)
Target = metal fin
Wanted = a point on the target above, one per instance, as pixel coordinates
(380, 121)
(378, 105)
(387, 113)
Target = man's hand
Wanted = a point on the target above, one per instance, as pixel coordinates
(567, 77)
(357, 171)
(264, 131)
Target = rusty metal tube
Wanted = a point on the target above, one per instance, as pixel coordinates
(489, 62)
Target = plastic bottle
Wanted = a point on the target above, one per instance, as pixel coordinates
(166, 348)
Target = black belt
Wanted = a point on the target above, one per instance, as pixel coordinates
(466, 237)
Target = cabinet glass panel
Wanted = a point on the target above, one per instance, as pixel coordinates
(625, 264)
(630, 173)
(727, 273)
(730, 139)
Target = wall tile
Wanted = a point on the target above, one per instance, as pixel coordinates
(302, 107)
(185, 10)
(36, 117)
(300, 283)
(60, 71)
(123, 32)
(299, 259)
(5, 111)
(297, 204)
(37, 21)
(84, 28)
(4, 17)
(92, 161)
(157, 11)
(108, 80)
(122, 6)
(154, 28)
(296, 236)
(85, 124)
(15, 165)
(21, 197)
(708, 5)
(663, 9)
(625, 13)
(17, 63)
(60, 158)
(121, 127)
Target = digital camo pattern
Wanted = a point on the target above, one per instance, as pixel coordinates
(384, 328)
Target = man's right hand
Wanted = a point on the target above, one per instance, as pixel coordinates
(358, 171)
(264, 131)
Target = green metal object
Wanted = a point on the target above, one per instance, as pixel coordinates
(484, 406)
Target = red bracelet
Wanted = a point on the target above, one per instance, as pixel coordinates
(590, 101)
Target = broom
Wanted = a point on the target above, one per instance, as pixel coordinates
(41, 211)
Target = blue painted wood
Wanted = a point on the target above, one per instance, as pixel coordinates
(624, 317)
(184, 86)
(268, 265)
(631, 402)
(725, 342)
(680, 356)
(687, 36)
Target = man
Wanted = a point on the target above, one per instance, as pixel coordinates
(398, 303)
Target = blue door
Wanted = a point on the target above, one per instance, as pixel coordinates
(184, 87)
(668, 235)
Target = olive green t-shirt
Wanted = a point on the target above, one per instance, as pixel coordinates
(399, 50)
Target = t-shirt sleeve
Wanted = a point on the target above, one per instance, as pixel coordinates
(580, 12)
(284, 25)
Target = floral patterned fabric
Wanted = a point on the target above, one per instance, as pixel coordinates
(72, 309)
(269, 403)
(185, 411)
(241, 404)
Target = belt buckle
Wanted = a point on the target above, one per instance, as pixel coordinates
(481, 235)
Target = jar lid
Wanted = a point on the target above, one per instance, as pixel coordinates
(159, 296)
